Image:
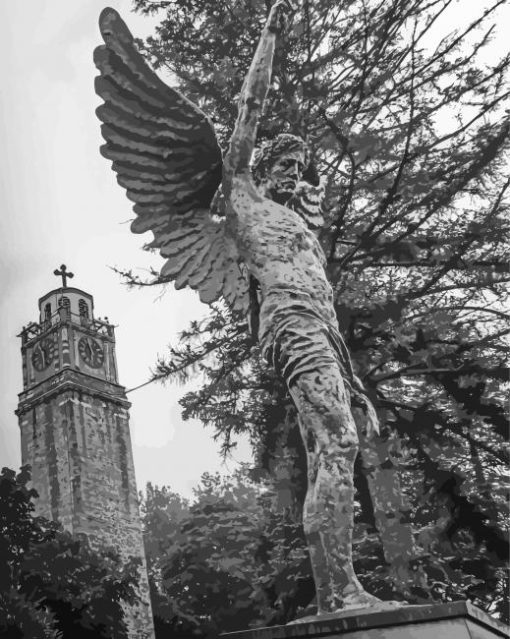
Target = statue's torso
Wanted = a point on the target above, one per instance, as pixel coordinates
(280, 251)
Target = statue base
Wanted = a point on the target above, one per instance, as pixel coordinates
(457, 620)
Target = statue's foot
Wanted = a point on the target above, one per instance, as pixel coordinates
(361, 599)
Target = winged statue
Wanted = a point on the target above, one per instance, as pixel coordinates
(241, 226)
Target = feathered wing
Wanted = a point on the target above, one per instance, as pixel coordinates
(166, 155)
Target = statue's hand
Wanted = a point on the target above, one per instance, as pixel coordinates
(278, 14)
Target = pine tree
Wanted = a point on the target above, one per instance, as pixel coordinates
(413, 140)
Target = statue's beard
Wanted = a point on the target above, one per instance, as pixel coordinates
(282, 197)
(279, 193)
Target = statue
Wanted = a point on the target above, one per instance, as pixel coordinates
(214, 220)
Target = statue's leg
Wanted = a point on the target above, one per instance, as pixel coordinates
(330, 437)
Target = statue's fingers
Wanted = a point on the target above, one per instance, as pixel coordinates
(283, 6)
(276, 14)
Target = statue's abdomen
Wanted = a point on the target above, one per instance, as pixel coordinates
(284, 255)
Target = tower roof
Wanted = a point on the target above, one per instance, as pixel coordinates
(65, 291)
(77, 302)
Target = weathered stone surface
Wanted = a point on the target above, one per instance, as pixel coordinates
(458, 620)
(74, 424)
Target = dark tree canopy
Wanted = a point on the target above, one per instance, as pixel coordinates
(412, 135)
(52, 585)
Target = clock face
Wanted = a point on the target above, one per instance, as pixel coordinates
(43, 353)
(91, 352)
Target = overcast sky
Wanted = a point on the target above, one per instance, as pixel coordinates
(60, 203)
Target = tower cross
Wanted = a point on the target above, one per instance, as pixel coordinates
(64, 273)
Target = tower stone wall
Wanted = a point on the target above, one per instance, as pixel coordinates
(74, 423)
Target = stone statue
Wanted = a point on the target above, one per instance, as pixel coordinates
(246, 234)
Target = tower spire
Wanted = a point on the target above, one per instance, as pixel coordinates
(64, 273)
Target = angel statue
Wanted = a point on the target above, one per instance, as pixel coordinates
(216, 218)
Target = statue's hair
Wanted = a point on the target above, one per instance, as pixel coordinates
(267, 152)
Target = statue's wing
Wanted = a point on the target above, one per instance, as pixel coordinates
(200, 254)
(167, 157)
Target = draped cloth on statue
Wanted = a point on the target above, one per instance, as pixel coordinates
(296, 339)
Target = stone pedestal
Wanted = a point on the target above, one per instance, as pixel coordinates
(458, 620)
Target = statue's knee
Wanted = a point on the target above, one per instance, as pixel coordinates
(314, 517)
(341, 430)
(324, 444)
(310, 527)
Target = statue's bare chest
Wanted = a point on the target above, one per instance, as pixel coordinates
(271, 231)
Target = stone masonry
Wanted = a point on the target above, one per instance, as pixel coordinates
(74, 422)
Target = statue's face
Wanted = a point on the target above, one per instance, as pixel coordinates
(283, 175)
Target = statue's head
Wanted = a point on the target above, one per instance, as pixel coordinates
(278, 166)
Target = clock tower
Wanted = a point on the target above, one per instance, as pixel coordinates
(74, 421)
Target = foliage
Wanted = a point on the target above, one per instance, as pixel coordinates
(20, 617)
(232, 561)
(162, 512)
(412, 136)
(53, 585)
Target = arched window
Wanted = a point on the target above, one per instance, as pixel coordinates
(46, 319)
(64, 305)
(83, 308)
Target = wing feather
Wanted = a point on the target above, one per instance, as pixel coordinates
(120, 156)
(182, 159)
(195, 263)
(175, 240)
(213, 273)
(138, 126)
(119, 40)
(212, 287)
(190, 244)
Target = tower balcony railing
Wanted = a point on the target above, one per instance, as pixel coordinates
(63, 315)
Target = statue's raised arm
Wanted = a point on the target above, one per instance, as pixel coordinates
(253, 95)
